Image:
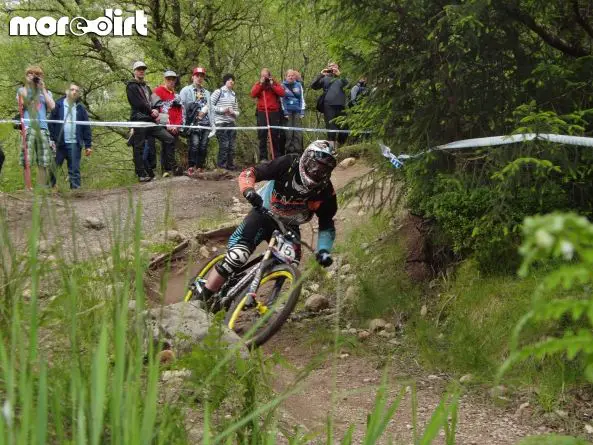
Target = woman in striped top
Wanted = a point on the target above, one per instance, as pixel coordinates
(226, 111)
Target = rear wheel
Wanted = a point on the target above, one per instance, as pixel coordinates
(276, 297)
(205, 267)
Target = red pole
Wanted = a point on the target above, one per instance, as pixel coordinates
(24, 141)
(270, 144)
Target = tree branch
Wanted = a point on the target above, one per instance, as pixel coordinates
(580, 19)
(551, 39)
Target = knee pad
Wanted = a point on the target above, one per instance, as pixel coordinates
(235, 257)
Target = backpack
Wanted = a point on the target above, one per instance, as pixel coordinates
(320, 102)
(321, 99)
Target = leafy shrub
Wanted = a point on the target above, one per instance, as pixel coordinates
(480, 204)
(566, 238)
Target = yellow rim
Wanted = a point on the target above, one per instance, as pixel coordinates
(262, 308)
(204, 271)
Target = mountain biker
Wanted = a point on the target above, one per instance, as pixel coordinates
(298, 188)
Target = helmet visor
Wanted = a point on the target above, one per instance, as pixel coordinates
(318, 166)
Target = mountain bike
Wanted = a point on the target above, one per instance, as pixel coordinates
(260, 296)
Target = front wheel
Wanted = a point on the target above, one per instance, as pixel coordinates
(276, 297)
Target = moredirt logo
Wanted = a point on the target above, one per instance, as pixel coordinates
(112, 23)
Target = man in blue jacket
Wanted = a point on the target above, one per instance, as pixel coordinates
(70, 137)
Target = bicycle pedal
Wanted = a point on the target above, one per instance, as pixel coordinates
(213, 305)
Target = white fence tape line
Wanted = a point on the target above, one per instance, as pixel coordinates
(138, 124)
(398, 160)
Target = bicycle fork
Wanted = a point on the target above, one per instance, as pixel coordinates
(252, 292)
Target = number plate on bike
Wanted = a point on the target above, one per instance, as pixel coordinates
(285, 250)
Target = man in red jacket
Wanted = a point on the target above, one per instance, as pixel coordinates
(170, 113)
(268, 93)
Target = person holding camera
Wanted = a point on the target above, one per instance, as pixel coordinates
(198, 111)
(36, 101)
(170, 110)
(334, 98)
(268, 93)
(139, 97)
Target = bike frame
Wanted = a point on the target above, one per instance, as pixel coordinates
(253, 273)
(254, 269)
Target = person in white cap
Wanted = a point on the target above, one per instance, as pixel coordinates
(170, 113)
(139, 95)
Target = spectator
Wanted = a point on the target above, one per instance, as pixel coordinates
(37, 101)
(334, 101)
(149, 153)
(358, 91)
(293, 106)
(1, 158)
(139, 97)
(268, 93)
(226, 111)
(198, 111)
(69, 136)
(170, 113)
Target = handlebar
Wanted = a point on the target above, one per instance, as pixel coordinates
(281, 226)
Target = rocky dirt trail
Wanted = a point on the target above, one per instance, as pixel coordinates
(353, 379)
(344, 386)
(95, 216)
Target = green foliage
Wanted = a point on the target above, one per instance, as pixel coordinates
(553, 440)
(468, 332)
(101, 385)
(456, 70)
(378, 293)
(240, 38)
(567, 239)
(480, 203)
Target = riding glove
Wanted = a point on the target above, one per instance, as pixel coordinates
(253, 197)
(324, 258)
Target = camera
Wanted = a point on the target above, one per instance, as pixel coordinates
(267, 80)
(36, 80)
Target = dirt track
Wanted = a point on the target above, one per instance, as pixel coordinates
(184, 202)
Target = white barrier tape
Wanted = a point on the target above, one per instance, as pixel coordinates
(398, 160)
(139, 124)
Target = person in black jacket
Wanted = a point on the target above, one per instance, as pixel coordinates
(139, 96)
(298, 188)
(69, 136)
(335, 98)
